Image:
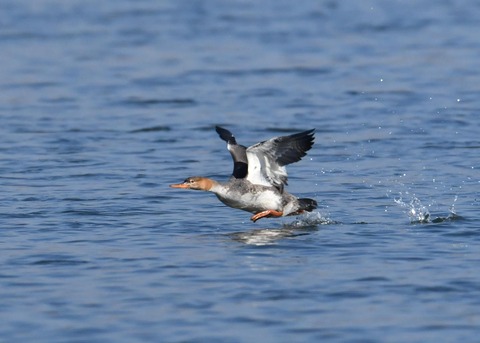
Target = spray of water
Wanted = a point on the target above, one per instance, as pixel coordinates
(310, 219)
(419, 213)
(416, 211)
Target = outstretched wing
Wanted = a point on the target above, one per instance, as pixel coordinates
(238, 152)
(267, 160)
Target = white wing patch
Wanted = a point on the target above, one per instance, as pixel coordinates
(256, 167)
(262, 168)
(267, 160)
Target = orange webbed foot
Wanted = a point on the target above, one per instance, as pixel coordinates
(266, 214)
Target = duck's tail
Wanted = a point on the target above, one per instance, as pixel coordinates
(307, 204)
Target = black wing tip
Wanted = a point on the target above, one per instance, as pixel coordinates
(305, 139)
(297, 146)
(308, 133)
(226, 135)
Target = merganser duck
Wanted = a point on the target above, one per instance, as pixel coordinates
(259, 176)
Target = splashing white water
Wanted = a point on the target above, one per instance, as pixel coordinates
(419, 213)
(310, 219)
(416, 211)
(452, 207)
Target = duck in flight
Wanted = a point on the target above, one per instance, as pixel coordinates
(259, 176)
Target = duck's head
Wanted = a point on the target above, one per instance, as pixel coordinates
(195, 182)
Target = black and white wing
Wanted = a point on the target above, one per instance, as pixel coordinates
(238, 152)
(267, 160)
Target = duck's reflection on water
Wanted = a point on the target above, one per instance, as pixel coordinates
(265, 236)
(268, 236)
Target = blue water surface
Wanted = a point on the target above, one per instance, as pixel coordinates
(104, 104)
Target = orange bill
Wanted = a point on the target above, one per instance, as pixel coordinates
(179, 185)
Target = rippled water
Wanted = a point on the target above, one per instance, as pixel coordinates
(103, 104)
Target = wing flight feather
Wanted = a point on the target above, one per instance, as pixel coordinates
(267, 160)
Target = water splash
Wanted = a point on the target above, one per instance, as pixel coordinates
(416, 211)
(419, 213)
(452, 207)
(309, 219)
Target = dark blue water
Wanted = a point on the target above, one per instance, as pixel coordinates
(103, 104)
